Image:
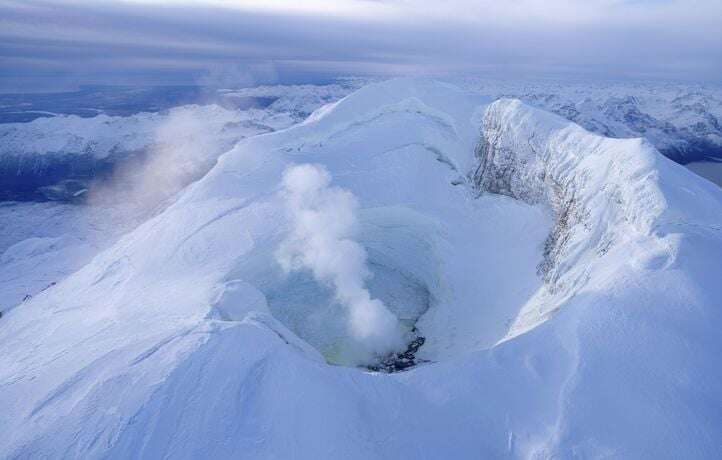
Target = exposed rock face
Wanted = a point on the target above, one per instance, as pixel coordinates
(402, 361)
(506, 166)
(516, 167)
(539, 158)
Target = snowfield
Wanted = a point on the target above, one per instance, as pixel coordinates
(567, 286)
(42, 243)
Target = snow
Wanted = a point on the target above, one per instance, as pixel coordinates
(607, 193)
(681, 120)
(104, 135)
(570, 301)
(324, 219)
(298, 100)
(710, 170)
(42, 243)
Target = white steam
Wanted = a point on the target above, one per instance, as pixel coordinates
(184, 148)
(323, 219)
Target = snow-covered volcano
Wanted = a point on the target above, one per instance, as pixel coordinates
(566, 285)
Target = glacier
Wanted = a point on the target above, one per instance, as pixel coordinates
(566, 285)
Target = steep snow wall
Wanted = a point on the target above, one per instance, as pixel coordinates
(603, 191)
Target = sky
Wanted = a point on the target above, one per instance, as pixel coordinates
(60, 43)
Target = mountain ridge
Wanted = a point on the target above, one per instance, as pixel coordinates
(130, 356)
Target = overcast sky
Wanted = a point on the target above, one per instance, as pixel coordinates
(235, 42)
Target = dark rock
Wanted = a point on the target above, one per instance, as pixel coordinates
(397, 362)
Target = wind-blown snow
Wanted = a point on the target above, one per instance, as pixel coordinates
(567, 285)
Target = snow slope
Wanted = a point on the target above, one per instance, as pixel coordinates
(710, 170)
(126, 167)
(567, 286)
(42, 243)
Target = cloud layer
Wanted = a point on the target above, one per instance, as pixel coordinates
(180, 41)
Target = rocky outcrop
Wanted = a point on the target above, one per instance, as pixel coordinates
(598, 188)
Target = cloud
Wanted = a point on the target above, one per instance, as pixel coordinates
(93, 42)
(323, 220)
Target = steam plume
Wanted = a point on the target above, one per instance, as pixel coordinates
(184, 148)
(323, 220)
